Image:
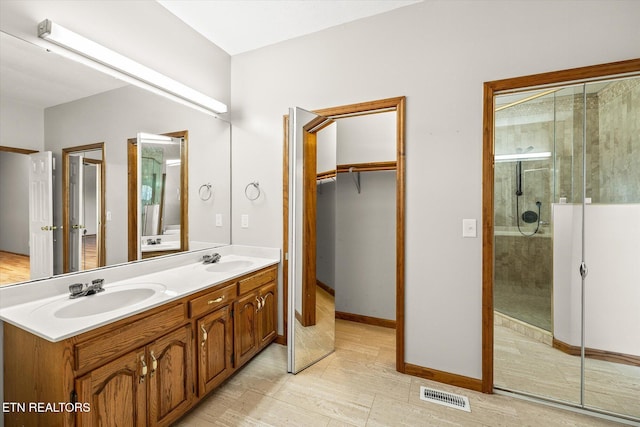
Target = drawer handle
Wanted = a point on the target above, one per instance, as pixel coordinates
(143, 371)
(213, 301)
(204, 335)
(154, 364)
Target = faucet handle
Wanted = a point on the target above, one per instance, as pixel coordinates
(97, 283)
(76, 288)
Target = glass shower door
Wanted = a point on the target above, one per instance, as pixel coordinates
(612, 247)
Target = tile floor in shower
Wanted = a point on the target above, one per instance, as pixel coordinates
(530, 304)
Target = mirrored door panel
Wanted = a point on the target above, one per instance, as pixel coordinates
(311, 308)
(567, 244)
(612, 247)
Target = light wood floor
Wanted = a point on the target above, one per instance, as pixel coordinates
(13, 268)
(357, 386)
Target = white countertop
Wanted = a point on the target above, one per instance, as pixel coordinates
(38, 315)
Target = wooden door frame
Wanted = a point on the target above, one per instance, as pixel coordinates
(66, 152)
(132, 194)
(550, 79)
(396, 104)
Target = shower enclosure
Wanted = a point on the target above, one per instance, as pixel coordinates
(566, 283)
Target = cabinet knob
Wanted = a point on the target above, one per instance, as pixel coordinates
(154, 364)
(204, 335)
(143, 371)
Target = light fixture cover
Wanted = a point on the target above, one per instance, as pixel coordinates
(67, 39)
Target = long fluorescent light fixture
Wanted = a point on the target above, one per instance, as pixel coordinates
(522, 156)
(67, 39)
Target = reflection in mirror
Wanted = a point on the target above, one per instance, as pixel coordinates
(158, 192)
(50, 103)
(83, 207)
(312, 330)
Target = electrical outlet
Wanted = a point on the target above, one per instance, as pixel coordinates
(244, 221)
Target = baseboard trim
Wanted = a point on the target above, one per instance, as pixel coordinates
(376, 321)
(281, 339)
(326, 288)
(443, 377)
(592, 353)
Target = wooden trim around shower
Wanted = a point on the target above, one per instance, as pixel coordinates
(550, 79)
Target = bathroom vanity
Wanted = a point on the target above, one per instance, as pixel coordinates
(148, 367)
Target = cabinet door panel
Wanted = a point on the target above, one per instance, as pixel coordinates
(215, 348)
(246, 336)
(116, 393)
(170, 376)
(268, 315)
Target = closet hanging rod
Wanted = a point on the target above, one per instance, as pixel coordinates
(367, 167)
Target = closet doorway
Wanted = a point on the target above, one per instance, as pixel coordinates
(342, 250)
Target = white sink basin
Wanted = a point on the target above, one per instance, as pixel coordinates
(228, 266)
(111, 299)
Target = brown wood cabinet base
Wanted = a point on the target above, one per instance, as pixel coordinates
(146, 370)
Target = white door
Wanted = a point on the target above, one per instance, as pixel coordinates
(41, 214)
(76, 212)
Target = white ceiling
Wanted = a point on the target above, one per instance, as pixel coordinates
(239, 26)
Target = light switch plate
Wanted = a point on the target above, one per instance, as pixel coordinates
(218, 220)
(244, 221)
(469, 228)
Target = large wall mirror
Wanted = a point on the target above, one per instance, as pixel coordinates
(84, 119)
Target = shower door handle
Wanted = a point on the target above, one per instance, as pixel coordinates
(583, 270)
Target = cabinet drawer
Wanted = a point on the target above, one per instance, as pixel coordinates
(257, 280)
(212, 300)
(100, 349)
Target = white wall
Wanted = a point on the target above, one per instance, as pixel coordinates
(21, 125)
(366, 244)
(14, 197)
(438, 54)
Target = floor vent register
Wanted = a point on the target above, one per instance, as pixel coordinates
(444, 398)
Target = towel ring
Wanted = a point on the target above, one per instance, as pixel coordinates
(254, 184)
(207, 193)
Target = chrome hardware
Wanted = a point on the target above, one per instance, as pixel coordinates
(154, 364)
(583, 270)
(213, 301)
(79, 290)
(210, 259)
(144, 369)
(204, 335)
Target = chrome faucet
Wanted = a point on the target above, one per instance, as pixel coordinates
(79, 290)
(210, 259)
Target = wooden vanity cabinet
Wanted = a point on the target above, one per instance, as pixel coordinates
(255, 314)
(135, 373)
(214, 348)
(150, 386)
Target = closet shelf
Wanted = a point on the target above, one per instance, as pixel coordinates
(357, 167)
